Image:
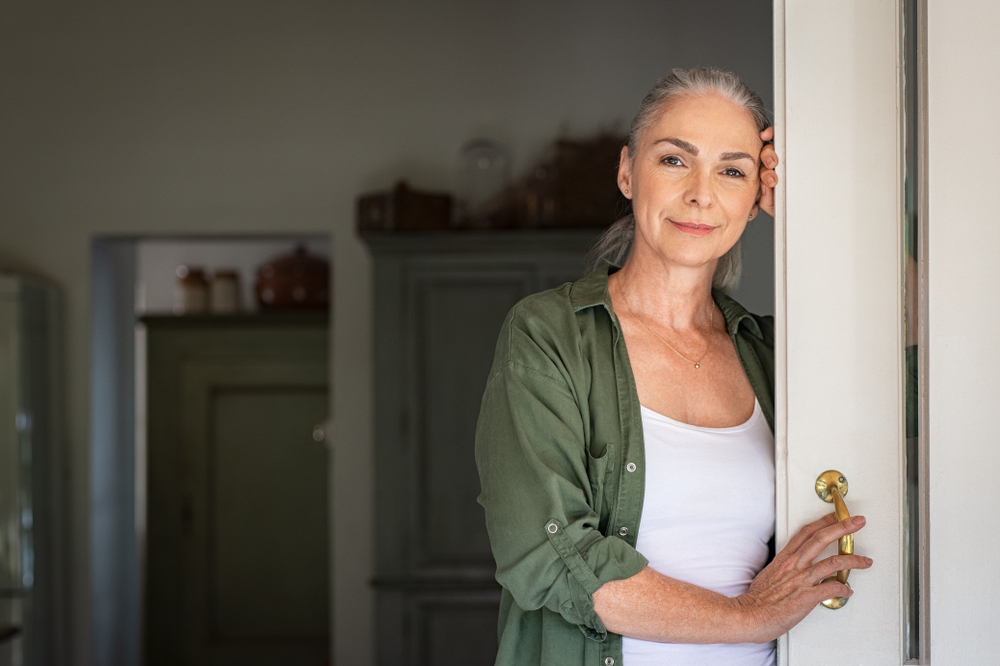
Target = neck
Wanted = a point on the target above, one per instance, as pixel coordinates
(675, 297)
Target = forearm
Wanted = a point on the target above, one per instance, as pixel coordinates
(656, 608)
(653, 607)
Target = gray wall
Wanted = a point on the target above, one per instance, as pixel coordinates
(252, 117)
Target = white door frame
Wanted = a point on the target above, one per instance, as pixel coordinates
(840, 354)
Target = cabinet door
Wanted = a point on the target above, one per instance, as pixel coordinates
(238, 558)
(438, 316)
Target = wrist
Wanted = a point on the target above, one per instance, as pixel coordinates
(749, 619)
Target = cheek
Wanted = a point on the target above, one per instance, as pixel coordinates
(741, 200)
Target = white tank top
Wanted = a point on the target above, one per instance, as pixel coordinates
(707, 517)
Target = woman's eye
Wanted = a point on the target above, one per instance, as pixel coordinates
(731, 171)
(672, 160)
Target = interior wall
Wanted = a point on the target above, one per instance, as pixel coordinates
(258, 117)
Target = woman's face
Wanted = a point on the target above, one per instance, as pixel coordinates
(693, 181)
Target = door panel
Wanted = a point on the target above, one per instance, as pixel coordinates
(963, 334)
(255, 570)
(456, 317)
(839, 309)
(270, 586)
(440, 302)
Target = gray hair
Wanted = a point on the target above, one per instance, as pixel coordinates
(615, 244)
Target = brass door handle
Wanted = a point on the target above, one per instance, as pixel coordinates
(831, 486)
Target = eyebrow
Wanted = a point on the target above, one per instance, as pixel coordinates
(680, 143)
(693, 149)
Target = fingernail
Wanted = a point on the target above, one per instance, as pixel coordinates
(859, 520)
(868, 560)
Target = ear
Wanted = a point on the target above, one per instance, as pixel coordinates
(625, 173)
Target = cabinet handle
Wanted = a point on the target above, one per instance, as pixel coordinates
(831, 486)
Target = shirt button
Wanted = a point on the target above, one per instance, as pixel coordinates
(630, 467)
(623, 531)
(610, 661)
(552, 528)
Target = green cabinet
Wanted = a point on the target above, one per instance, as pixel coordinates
(440, 300)
(237, 547)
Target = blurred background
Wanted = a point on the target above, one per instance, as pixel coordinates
(136, 138)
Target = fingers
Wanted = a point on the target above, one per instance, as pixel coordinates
(768, 175)
(768, 156)
(766, 200)
(824, 537)
(831, 589)
(831, 565)
(808, 531)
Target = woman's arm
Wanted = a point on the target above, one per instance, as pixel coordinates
(653, 607)
(538, 499)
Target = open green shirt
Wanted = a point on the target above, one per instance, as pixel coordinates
(560, 453)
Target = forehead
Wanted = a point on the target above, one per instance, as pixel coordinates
(708, 120)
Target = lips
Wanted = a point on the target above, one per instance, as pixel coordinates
(693, 228)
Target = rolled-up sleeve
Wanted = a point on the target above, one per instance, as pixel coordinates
(538, 489)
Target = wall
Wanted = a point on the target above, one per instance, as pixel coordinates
(260, 117)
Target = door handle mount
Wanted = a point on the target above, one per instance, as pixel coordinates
(831, 486)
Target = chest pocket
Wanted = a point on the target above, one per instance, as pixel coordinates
(599, 472)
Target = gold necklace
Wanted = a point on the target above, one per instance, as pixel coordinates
(711, 325)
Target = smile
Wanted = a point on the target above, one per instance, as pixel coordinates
(693, 228)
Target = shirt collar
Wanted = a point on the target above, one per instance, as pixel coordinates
(592, 290)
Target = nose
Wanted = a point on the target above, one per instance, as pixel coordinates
(699, 189)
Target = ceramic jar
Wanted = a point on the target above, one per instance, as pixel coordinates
(190, 290)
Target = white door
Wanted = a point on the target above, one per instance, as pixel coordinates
(840, 313)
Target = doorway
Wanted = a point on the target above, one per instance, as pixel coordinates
(210, 522)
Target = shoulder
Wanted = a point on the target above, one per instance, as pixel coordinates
(543, 331)
(545, 320)
(549, 310)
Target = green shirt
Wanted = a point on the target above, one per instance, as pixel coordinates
(560, 453)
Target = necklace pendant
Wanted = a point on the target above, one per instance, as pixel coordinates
(697, 365)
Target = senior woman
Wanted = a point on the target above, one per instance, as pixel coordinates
(625, 443)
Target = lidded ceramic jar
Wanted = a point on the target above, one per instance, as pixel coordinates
(298, 281)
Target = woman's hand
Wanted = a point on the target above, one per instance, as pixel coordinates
(787, 589)
(768, 176)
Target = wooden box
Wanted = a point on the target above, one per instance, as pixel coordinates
(404, 209)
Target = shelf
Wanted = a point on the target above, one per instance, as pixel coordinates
(242, 320)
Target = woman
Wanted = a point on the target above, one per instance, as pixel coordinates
(625, 441)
